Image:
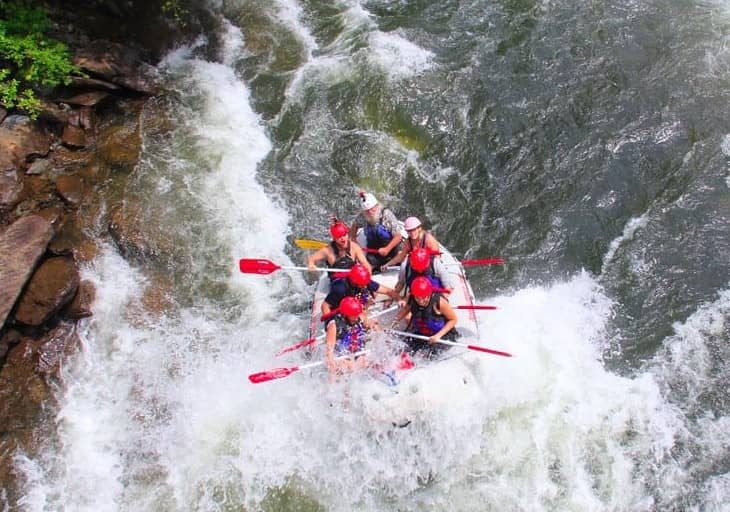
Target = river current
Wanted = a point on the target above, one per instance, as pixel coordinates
(586, 143)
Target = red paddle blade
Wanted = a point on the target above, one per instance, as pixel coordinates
(275, 373)
(295, 347)
(487, 261)
(405, 362)
(489, 350)
(255, 266)
(475, 307)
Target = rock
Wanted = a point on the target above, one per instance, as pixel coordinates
(119, 146)
(21, 138)
(40, 166)
(52, 286)
(124, 227)
(81, 305)
(73, 137)
(24, 389)
(65, 158)
(53, 215)
(88, 99)
(53, 112)
(11, 189)
(118, 64)
(21, 246)
(3, 114)
(7, 341)
(92, 83)
(71, 189)
(53, 348)
(67, 237)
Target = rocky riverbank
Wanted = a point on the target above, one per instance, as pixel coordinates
(61, 196)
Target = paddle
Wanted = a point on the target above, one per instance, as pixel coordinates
(280, 373)
(465, 263)
(453, 343)
(316, 244)
(303, 243)
(474, 306)
(260, 266)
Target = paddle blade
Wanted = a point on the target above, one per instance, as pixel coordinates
(303, 243)
(405, 362)
(487, 261)
(275, 373)
(255, 266)
(295, 347)
(473, 306)
(489, 350)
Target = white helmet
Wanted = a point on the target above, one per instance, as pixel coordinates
(368, 200)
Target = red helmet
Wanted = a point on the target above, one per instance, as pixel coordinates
(359, 275)
(421, 287)
(338, 229)
(350, 306)
(419, 259)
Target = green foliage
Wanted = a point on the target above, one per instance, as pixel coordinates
(28, 59)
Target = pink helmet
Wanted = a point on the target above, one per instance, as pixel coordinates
(338, 229)
(359, 275)
(412, 223)
(350, 306)
(421, 287)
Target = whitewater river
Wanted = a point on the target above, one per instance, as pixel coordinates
(587, 143)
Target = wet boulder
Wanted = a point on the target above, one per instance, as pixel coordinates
(52, 286)
(21, 246)
(117, 64)
(81, 305)
(21, 138)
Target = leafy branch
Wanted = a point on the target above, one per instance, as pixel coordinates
(29, 59)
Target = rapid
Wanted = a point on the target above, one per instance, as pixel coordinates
(587, 144)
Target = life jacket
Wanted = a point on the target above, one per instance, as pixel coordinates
(429, 273)
(343, 261)
(377, 235)
(349, 291)
(350, 337)
(424, 319)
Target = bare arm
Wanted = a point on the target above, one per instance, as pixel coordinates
(315, 257)
(384, 251)
(330, 340)
(395, 260)
(360, 256)
(445, 309)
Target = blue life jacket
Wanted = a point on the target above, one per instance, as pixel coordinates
(377, 235)
(350, 337)
(424, 319)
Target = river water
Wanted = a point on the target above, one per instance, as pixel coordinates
(587, 143)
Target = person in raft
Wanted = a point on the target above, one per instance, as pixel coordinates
(429, 314)
(341, 252)
(422, 263)
(346, 334)
(417, 238)
(383, 231)
(358, 284)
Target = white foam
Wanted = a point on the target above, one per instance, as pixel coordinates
(725, 145)
(632, 226)
(397, 56)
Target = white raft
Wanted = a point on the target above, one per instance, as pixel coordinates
(430, 385)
